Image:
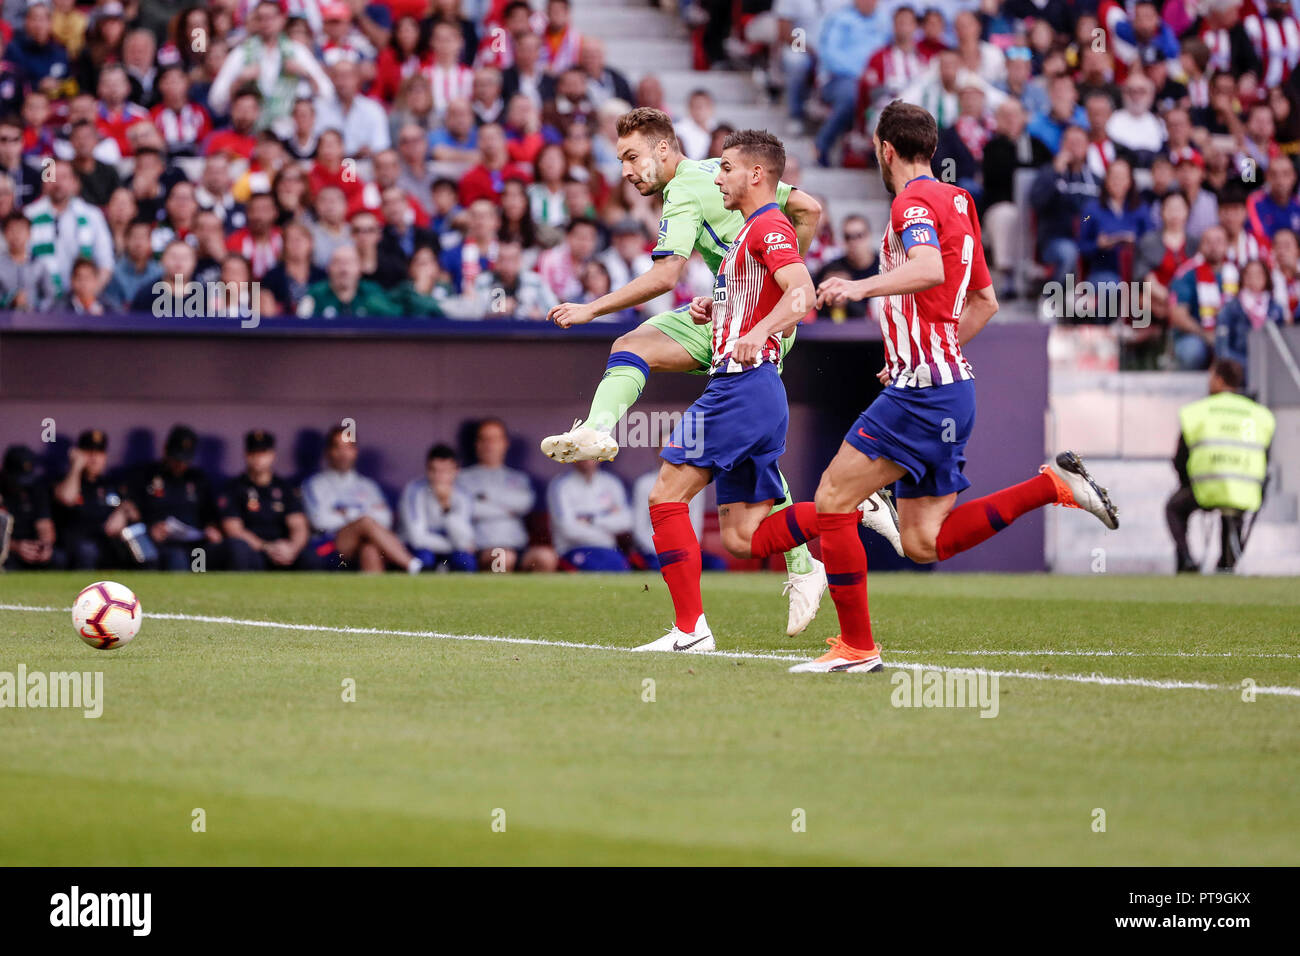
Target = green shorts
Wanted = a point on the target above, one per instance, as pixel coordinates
(698, 339)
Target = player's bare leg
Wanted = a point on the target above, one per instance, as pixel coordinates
(633, 356)
(679, 556)
(376, 544)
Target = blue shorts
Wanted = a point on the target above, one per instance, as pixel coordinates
(736, 429)
(924, 430)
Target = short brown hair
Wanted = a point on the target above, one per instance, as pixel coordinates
(910, 129)
(651, 123)
(760, 145)
(1229, 372)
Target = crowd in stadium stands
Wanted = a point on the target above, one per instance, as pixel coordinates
(456, 157)
(172, 515)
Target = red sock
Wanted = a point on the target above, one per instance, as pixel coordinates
(679, 560)
(979, 520)
(846, 567)
(785, 529)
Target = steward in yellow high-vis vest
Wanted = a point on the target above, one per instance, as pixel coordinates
(1222, 461)
(1227, 438)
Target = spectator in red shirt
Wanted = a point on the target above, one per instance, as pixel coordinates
(115, 112)
(333, 169)
(406, 54)
(260, 242)
(488, 178)
(238, 141)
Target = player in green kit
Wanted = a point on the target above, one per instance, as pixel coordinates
(694, 218)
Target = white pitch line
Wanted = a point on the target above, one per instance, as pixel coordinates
(1099, 679)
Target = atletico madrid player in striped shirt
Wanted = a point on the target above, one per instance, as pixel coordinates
(734, 434)
(938, 296)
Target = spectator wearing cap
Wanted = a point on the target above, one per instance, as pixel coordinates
(274, 64)
(31, 538)
(363, 121)
(41, 60)
(436, 516)
(89, 505)
(349, 516)
(66, 228)
(1059, 193)
(848, 38)
(26, 284)
(262, 515)
(1274, 206)
(1203, 207)
(174, 500)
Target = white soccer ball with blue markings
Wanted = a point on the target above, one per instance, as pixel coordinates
(106, 615)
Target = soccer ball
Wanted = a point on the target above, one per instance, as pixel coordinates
(106, 615)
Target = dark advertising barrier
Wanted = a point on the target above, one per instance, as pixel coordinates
(409, 383)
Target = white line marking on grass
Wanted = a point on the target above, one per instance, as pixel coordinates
(1099, 679)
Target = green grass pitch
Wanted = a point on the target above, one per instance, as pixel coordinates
(447, 736)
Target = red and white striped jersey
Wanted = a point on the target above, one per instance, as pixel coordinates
(187, 126)
(455, 82)
(920, 329)
(1277, 44)
(745, 290)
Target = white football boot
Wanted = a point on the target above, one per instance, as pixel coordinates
(700, 639)
(841, 659)
(880, 515)
(580, 443)
(805, 592)
(1075, 488)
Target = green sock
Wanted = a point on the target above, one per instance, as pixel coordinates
(618, 391)
(797, 559)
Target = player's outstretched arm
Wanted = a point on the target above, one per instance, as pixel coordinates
(797, 294)
(805, 214)
(662, 277)
(981, 305)
(922, 270)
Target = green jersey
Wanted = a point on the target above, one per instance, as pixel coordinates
(694, 217)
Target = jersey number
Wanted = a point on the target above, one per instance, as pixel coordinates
(967, 259)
